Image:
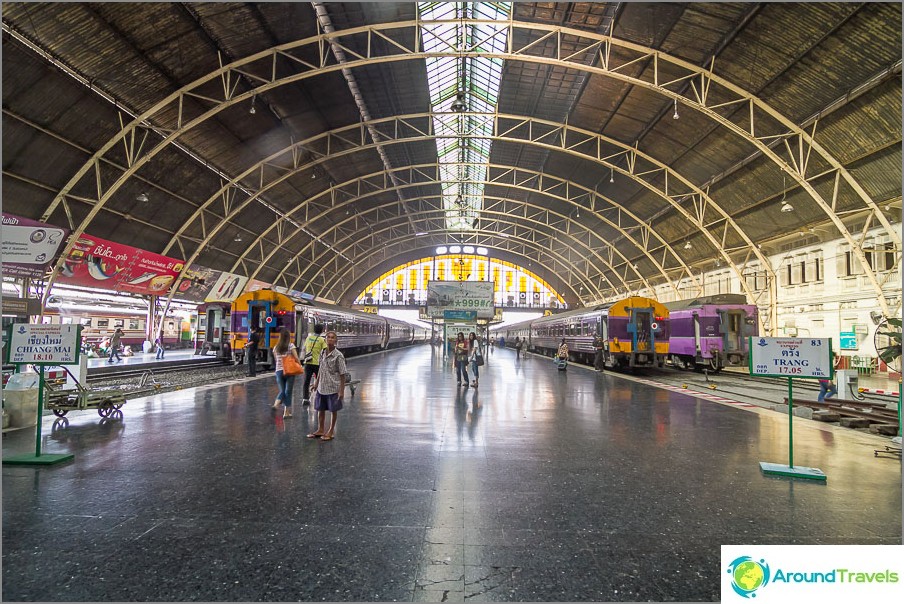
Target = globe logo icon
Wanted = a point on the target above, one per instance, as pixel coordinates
(748, 575)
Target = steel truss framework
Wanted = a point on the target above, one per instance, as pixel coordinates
(729, 105)
(530, 181)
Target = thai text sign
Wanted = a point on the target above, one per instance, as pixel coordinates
(96, 262)
(460, 295)
(44, 344)
(791, 357)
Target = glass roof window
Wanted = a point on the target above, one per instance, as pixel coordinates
(463, 136)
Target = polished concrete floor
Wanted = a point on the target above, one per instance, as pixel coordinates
(539, 485)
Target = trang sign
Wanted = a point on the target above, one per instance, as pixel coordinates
(791, 357)
(44, 344)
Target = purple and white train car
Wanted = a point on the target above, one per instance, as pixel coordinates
(711, 331)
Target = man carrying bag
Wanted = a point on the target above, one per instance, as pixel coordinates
(313, 346)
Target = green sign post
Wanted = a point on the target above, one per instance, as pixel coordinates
(42, 345)
(791, 358)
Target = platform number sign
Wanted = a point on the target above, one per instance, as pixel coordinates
(791, 357)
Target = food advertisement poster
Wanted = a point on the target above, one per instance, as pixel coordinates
(96, 262)
(227, 288)
(29, 246)
(197, 283)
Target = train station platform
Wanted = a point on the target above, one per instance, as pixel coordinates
(539, 485)
(146, 358)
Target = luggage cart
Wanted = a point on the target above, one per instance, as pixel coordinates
(61, 402)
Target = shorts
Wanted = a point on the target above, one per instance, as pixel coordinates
(327, 402)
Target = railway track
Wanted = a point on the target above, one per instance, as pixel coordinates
(125, 374)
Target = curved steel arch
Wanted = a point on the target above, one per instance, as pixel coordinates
(435, 213)
(399, 223)
(598, 50)
(640, 167)
(504, 242)
(544, 185)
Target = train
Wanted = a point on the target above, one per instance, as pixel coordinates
(711, 332)
(635, 330)
(358, 332)
(213, 328)
(100, 320)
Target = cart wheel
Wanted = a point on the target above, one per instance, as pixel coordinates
(119, 406)
(353, 390)
(59, 412)
(105, 409)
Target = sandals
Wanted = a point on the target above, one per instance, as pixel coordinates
(327, 437)
(314, 435)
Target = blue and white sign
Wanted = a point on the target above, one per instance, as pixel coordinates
(791, 357)
(44, 344)
(848, 340)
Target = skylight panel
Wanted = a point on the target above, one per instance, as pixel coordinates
(463, 139)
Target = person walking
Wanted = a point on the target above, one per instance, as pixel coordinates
(518, 345)
(114, 345)
(313, 347)
(474, 351)
(284, 348)
(330, 387)
(254, 342)
(158, 344)
(600, 345)
(460, 354)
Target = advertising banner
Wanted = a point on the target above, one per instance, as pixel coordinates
(227, 288)
(255, 285)
(197, 283)
(460, 295)
(29, 246)
(96, 262)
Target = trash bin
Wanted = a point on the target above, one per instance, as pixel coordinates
(20, 399)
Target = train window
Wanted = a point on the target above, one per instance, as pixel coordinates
(66, 320)
(103, 323)
(133, 324)
(86, 321)
(171, 326)
(119, 322)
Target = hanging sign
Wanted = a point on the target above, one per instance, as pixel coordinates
(460, 295)
(29, 246)
(96, 262)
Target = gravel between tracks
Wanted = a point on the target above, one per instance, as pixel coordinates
(177, 380)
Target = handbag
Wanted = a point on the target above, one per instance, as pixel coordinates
(291, 365)
(478, 359)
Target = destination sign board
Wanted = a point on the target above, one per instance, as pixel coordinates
(791, 357)
(43, 344)
(460, 295)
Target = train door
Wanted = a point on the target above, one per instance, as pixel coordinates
(697, 348)
(301, 327)
(732, 328)
(642, 322)
(213, 334)
(258, 313)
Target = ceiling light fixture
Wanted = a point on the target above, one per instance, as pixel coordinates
(675, 116)
(252, 111)
(786, 207)
(687, 245)
(460, 104)
(611, 174)
(237, 238)
(143, 197)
